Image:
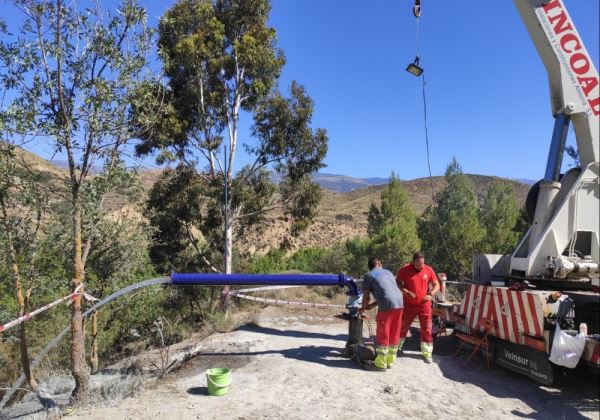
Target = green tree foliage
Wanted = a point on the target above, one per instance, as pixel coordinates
(23, 204)
(69, 72)
(182, 231)
(394, 203)
(319, 260)
(272, 262)
(306, 260)
(358, 250)
(395, 244)
(499, 215)
(375, 220)
(450, 228)
(522, 224)
(221, 60)
(310, 260)
(393, 226)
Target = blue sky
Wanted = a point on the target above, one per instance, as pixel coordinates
(487, 90)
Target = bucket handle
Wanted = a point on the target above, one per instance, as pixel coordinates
(208, 378)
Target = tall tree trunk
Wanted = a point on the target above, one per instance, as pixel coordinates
(232, 124)
(25, 363)
(94, 352)
(228, 245)
(228, 262)
(23, 341)
(16, 275)
(25, 358)
(79, 367)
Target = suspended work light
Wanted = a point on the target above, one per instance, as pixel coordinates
(414, 69)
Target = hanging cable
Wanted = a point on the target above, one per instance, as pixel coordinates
(413, 68)
(417, 15)
(417, 71)
(435, 209)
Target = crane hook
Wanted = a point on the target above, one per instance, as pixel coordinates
(417, 9)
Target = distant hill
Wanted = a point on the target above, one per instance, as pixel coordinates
(342, 213)
(333, 182)
(525, 181)
(38, 164)
(341, 183)
(344, 183)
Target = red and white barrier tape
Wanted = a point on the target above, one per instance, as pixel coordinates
(262, 289)
(284, 302)
(29, 315)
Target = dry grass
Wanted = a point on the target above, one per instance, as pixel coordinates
(105, 389)
(115, 388)
(237, 315)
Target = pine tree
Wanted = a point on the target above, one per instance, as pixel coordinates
(499, 216)
(393, 226)
(374, 220)
(450, 229)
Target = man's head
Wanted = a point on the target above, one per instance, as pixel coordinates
(374, 263)
(418, 260)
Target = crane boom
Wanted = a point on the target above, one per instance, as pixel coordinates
(565, 228)
(561, 250)
(572, 76)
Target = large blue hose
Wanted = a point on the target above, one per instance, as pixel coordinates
(218, 279)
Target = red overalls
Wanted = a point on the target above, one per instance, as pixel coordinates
(418, 283)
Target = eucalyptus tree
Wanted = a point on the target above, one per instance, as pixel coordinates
(222, 62)
(70, 70)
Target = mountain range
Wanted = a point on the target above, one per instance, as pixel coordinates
(333, 182)
(346, 183)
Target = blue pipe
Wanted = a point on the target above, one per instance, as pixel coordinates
(218, 279)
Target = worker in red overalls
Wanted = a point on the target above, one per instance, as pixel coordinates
(413, 280)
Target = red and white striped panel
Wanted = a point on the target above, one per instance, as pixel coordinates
(516, 313)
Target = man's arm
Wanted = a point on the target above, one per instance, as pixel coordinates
(403, 289)
(365, 301)
(436, 286)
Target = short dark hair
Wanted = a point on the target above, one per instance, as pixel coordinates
(373, 262)
(418, 255)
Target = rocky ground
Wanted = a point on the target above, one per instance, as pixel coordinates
(289, 364)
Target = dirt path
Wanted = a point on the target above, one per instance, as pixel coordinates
(289, 366)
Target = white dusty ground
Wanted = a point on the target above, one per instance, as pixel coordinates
(289, 366)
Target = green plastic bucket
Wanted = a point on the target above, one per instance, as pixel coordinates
(218, 381)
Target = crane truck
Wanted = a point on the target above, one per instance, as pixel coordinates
(552, 276)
